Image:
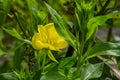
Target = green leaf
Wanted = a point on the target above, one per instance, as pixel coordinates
(50, 66)
(34, 15)
(61, 27)
(37, 75)
(94, 22)
(2, 53)
(51, 56)
(84, 12)
(8, 76)
(4, 10)
(2, 18)
(90, 71)
(53, 74)
(14, 33)
(65, 65)
(22, 21)
(32, 5)
(78, 79)
(107, 48)
(67, 62)
(18, 56)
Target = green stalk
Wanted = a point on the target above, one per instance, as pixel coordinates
(80, 54)
(39, 59)
(20, 25)
(44, 60)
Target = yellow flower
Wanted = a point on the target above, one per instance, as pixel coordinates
(47, 37)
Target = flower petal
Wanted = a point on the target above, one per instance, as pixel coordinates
(60, 44)
(56, 40)
(51, 47)
(42, 34)
(51, 31)
(37, 41)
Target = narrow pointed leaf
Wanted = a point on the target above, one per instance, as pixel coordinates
(18, 56)
(107, 48)
(8, 76)
(14, 33)
(51, 56)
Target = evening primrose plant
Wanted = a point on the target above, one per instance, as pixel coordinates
(84, 42)
(45, 40)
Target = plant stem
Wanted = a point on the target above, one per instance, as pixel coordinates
(38, 60)
(109, 34)
(100, 3)
(80, 52)
(20, 25)
(44, 59)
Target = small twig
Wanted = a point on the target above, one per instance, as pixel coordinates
(103, 8)
(115, 4)
(112, 65)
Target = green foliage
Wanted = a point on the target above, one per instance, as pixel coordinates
(67, 63)
(8, 76)
(94, 22)
(103, 49)
(18, 56)
(76, 21)
(84, 12)
(14, 33)
(90, 71)
(50, 55)
(5, 7)
(33, 8)
(54, 74)
(61, 27)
